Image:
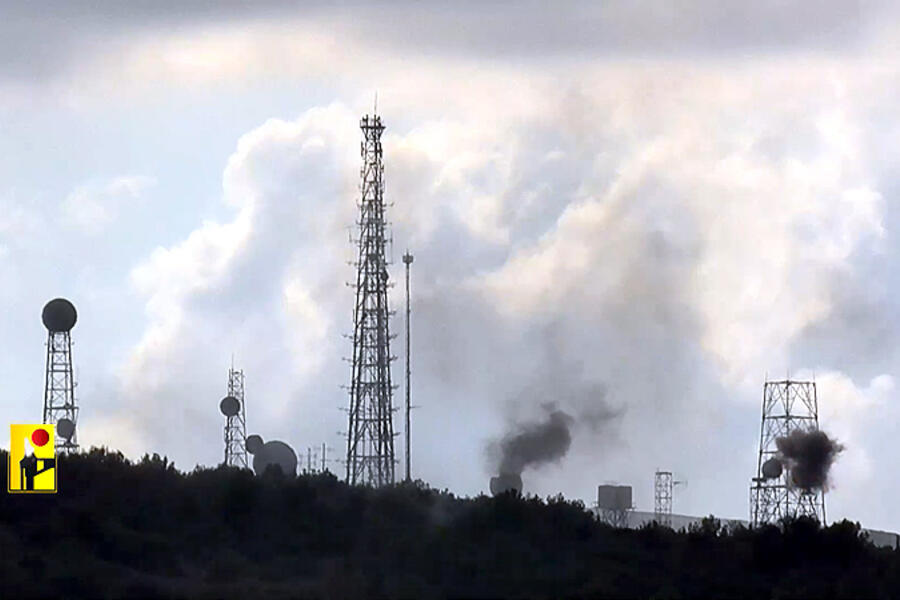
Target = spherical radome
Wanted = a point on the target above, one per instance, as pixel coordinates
(230, 406)
(506, 482)
(59, 315)
(65, 428)
(275, 454)
(772, 468)
(254, 443)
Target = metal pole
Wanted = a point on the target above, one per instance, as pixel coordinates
(407, 260)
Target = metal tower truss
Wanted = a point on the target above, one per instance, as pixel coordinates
(236, 424)
(59, 387)
(787, 406)
(370, 435)
(663, 491)
(614, 517)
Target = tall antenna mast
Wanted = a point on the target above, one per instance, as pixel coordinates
(407, 260)
(787, 406)
(60, 409)
(370, 435)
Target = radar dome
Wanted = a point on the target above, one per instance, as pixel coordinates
(772, 468)
(254, 443)
(65, 428)
(59, 315)
(506, 483)
(230, 406)
(277, 455)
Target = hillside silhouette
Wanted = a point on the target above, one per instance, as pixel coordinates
(145, 529)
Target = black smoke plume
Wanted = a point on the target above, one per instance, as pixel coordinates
(536, 443)
(809, 456)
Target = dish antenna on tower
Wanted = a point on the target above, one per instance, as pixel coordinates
(229, 406)
(235, 411)
(254, 443)
(59, 317)
(65, 428)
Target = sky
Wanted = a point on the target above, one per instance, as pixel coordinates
(634, 212)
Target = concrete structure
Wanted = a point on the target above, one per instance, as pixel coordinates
(615, 497)
(614, 502)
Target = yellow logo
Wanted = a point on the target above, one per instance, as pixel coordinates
(32, 459)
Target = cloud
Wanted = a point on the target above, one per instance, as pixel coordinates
(19, 218)
(851, 411)
(74, 49)
(626, 208)
(94, 206)
(645, 233)
(252, 286)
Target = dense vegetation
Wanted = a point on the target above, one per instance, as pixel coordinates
(120, 529)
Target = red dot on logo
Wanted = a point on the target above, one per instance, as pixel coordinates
(40, 437)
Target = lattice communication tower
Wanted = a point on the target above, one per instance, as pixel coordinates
(370, 435)
(60, 408)
(787, 406)
(663, 488)
(234, 408)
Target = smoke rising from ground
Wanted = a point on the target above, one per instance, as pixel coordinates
(536, 443)
(809, 456)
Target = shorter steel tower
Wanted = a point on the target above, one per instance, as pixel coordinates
(234, 408)
(662, 497)
(664, 491)
(60, 409)
(787, 406)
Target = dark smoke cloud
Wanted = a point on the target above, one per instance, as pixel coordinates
(579, 404)
(534, 444)
(809, 456)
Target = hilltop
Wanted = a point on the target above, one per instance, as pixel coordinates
(145, 529)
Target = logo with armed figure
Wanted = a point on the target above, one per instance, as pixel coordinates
(34, 471)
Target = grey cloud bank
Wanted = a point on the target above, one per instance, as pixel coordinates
(638, 242)
(44, 40)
